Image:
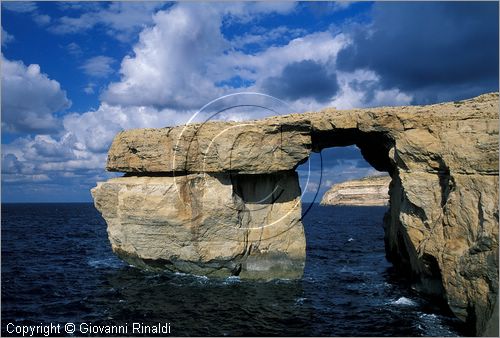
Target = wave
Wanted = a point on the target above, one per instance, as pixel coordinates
(403, 301)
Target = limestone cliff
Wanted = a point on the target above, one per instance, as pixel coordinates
(211, 195)
(206, 224)
(368, 191)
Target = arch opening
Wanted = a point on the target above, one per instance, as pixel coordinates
(350, 252)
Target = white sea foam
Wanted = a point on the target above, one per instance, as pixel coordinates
(232, 280)
(404, 302)
(177, 273)
(428, 316)
(431, 325)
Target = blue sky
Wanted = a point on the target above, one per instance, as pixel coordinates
(76, 73)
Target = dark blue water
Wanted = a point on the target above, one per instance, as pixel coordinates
(57, 267)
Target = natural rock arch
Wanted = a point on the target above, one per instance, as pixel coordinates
(191, 201)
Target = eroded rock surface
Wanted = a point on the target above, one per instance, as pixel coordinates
(441, 227)
(257, 147)
(368, 191)
(207, 224)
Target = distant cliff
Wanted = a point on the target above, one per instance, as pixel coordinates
(368, 191)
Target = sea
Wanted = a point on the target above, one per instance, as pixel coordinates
(58, 268)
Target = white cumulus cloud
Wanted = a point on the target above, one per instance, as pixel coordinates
(184, 61)
(171, 60)
(35, 114)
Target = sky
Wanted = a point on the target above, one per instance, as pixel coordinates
(76, 73)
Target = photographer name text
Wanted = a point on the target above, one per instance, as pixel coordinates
(87, 328)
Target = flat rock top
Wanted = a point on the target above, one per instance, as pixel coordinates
(460, 135)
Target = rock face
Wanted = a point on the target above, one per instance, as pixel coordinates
(368, 191)
(258, 147)
(221, 198)
(207, 224)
